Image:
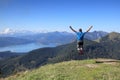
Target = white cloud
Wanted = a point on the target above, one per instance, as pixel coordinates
(7, 31)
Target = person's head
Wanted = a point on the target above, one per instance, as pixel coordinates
(80, 30)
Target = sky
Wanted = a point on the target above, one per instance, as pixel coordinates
(58, 15)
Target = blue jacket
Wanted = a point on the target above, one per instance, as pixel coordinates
(80, 35)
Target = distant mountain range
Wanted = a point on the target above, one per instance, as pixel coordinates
(20, 33)
(15, 33)
(106, 47)
(95, 35)
(15, 38)
(51, 37)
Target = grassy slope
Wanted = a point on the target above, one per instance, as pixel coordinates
(72, 70)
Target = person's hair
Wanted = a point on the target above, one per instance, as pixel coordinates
(80, 30)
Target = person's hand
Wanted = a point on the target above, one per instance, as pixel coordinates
(70, 26)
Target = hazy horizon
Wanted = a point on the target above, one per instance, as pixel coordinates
(9, 30)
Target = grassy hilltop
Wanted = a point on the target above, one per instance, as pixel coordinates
(72, 70)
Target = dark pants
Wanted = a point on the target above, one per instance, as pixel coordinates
(79, 45)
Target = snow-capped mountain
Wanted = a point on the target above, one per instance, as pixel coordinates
(7, 31)
(13, 33)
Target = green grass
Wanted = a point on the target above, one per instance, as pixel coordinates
(72, 70)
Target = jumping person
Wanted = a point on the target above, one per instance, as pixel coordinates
(80, 38)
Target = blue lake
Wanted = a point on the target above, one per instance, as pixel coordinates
(25, 47)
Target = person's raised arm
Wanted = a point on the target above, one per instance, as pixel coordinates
(72, 29)
(89, 29)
